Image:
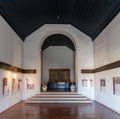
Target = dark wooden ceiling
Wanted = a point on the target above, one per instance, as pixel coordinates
(89, 16)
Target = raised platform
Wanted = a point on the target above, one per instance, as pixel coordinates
(58, 97)
(60, 92)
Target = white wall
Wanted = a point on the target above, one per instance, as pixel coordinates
(83, 55)
(10, 45)
(57, 57)
(9, 100)
(107, 50)
(11, 53)
(29, 92)
(107, 44)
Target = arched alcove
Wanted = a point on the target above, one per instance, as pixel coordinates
(69, 32)
(58, 56)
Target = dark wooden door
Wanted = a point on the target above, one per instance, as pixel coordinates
(59, 75)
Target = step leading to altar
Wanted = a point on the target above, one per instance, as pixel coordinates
(58, 97)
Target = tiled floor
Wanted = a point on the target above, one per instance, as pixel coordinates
(59, 111)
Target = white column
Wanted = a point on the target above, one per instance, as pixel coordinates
(77, 70)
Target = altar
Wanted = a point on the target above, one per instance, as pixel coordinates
(58, 85)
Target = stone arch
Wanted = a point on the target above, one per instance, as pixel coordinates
(62, 32)
(72, 38)
(58, 40)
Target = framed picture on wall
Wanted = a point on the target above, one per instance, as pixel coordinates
(19, 84)
(102, 84)
(84, 83)
(91, 83)
(30, 84)
(116, 86)
(1, 89)
(87, 83)
(14, 86)
(5, 87)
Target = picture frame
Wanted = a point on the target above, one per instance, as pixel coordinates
(19, 84)
(87, 83)
(102, 84)
(30, 84)
(84, 83)
(5, 87)
(14, 86)
(116, 86)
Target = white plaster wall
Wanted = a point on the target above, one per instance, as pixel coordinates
(107, 98)
(83, 54)
(29, 92)
(11, 99)
(107, 44)
(10, 45)
(107, 50)
(55, 57)
(88, 91)
(85, 61)
(11, 53)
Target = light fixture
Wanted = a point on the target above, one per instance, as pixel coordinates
(58, 17)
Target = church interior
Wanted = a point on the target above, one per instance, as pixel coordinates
(60, 59)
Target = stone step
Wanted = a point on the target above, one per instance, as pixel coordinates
(56, 93)
(58, 98)
(58, 101)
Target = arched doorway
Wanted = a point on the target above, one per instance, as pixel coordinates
(66, 30)
(57, 61)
